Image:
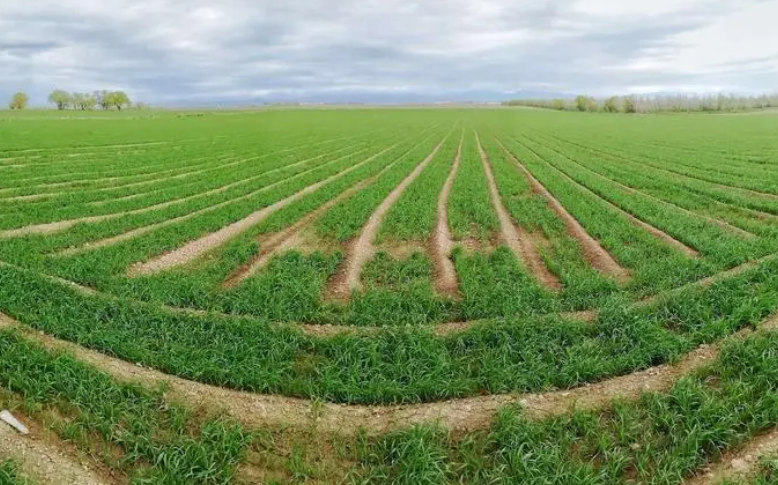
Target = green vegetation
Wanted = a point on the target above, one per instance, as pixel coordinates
(661, 439)
(9, 474)
(244, 222)
(159, 443)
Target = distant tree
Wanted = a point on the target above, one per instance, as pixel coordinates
(102, 99)
(61, 99)
(580, 103)
(558, 104)
(119, 99)
(19, 101)
(585, 103)
(628, 106)
(611, 105)
(84, 101)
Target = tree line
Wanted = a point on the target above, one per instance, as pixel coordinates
(63, 100)
(653, 104)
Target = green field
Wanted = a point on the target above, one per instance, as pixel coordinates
(393, 296)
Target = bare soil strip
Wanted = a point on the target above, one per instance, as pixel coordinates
(151, 227)
(632, 190)
(742, 464)
(41, 460)
(361, 250)
(467, 414)
(515, 236)
(60, 226)
(666, 238)
(291, 237)
(131, 234)
(671, 171)
(440, 329)
(442, 243)
(710, 280)
(198, 247)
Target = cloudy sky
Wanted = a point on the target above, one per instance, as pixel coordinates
(205, 51)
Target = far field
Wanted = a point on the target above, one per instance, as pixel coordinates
(392, 296)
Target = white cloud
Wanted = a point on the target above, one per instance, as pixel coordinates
(240, 50)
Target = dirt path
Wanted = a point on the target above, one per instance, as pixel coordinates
(515, 236)
(194, 249)
(668, 239)
(468, 414)
(42, 461)
(740, 465)
(361, 250)
(442, 243)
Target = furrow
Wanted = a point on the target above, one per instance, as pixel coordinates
(442, 243)
(515, 236)
(742, 464)
(468, 414)
(291, 237)
(721, 223)
(194, 249)
(656, 232)
(348, 278)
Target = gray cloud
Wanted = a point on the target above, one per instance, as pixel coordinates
(199, 51)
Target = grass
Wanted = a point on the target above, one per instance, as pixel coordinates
(159, 443)
(10, 475)
(663, 438)
(703, 180)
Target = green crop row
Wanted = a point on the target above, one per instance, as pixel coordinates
(395, 365)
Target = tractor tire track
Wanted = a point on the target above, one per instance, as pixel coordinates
(721, 223)
(459, 415)
(516, 237)
(442, 243)
(656, 232)
(348, 278)
(59, 226)
(194, 249)
(741, 465)
(292, 237)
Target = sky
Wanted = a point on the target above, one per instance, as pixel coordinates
(252, 51)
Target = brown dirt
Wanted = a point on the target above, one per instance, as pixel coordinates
(442, 329)
(516, 237)
(402, 250)
(459, 415)
(666, 238)
(721, 223)
(710, 280)
(633, 190)
(361, 250)
(442, 243)
(291, 237)
(597, 256)
(43, 461)
(194, 249)
(742, 465)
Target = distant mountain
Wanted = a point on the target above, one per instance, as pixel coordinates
(373, 97)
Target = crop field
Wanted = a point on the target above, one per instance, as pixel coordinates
(389, 296)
